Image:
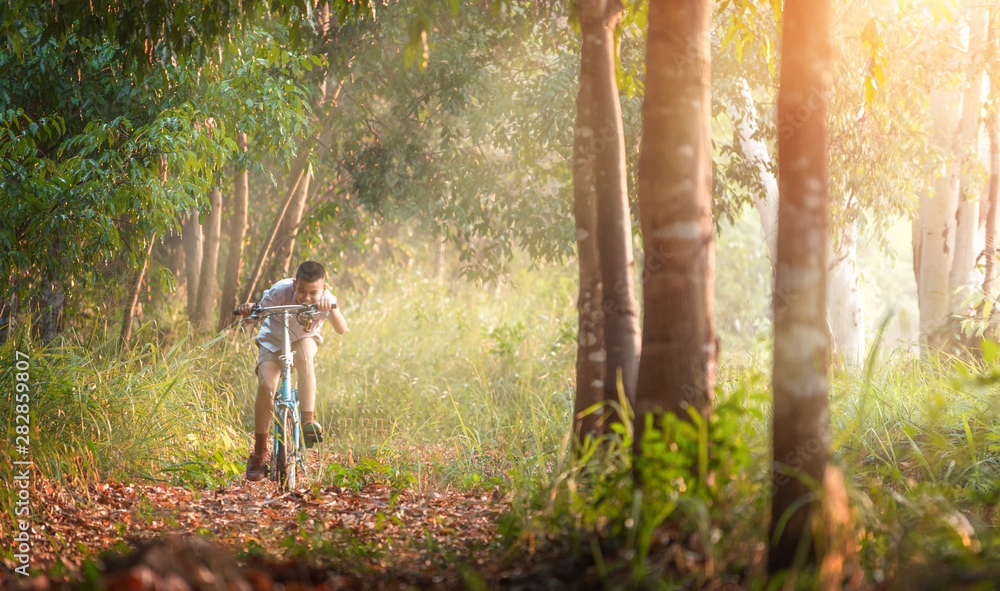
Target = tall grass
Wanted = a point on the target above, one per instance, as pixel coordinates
(475, 373)
(155, 412)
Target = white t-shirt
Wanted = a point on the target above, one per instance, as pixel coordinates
(283, 294)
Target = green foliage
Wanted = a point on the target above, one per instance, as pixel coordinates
(147, 34)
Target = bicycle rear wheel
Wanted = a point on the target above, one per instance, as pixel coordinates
(285, 449)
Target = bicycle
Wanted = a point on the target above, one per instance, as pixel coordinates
(289, 448)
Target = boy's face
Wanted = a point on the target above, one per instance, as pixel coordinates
(308, 292)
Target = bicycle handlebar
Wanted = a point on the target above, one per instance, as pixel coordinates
(258, 311)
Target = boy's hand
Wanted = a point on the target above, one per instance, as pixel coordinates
(246, 309)
(324, 303)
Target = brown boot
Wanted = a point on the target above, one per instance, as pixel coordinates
(257, 466)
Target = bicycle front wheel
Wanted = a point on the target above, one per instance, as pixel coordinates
(285, 449)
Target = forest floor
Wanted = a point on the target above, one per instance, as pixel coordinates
(244, 535)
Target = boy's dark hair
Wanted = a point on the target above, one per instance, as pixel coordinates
(310, 271)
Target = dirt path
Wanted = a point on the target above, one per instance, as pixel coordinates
(371, 536)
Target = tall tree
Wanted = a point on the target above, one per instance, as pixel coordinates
(964, 277)
(946, 227)
(590, 354)
(192, 240)
(207, 282)
(801, 424)
(237, 232)
(125, 335)
(598, 19)
(679, 345)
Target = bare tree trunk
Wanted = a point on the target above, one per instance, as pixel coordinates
(990, 253)
(191, 233)
(237, 235)
(207, 282)
(133, 297)
(844, 304)
(266, 247)
(801, 424)
(679, 344)
(964, 277)
(755, 151)
(598, 19)
(590, 354)
(936, 225)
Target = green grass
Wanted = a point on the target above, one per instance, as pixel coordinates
(151, 412)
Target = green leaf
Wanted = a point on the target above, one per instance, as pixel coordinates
(990, 350)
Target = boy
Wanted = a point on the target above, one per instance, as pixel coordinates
(308, 287)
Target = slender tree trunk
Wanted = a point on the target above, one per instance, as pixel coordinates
(679, 345)
(935, 235)
(844, 304)
(191, 234)
(237, 235)
(207, 282)
(284, 244)
(755, 151)
(266, 247)
(598, 19)
(133, 297)
(990, 253)
(964, 277)
(590, 354)
(801, 424)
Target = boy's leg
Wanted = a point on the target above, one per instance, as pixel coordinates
(268, 373)
(305, 358)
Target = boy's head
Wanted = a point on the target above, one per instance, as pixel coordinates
(310, 282)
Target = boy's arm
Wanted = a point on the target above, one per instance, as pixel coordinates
(337, 320)
(329, 305)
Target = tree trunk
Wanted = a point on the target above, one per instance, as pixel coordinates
(964, 277)
(590, 354)
(191, 234)
(284, 244)
(169, 253)
(935, 225)
(679, 345)
(133, 297)
(844, 304)
(237, 235)
(207, 281)
(990, 253)
(801, 424)
(755, 151)
(614, 227)
(266, 247)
